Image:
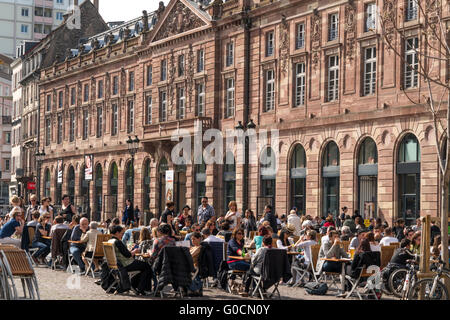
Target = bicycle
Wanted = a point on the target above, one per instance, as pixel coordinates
(433, 288)
(402, 280)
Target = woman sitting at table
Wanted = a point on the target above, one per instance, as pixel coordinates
(374, 246)
(90, 236)
(196, 285)
(258, 240)
(364, 257)
(42, 230)
(235, 246)
(283, 242)
(145, 240)
(331, 249)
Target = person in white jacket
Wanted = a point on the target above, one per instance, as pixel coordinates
(294, 220)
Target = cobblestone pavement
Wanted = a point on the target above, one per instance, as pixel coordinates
(64, 286)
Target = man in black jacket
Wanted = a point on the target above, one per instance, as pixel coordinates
(271, 217)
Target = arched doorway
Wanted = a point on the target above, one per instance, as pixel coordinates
(298, 178)
(111, 199)
(129, 175)
(180, 187)
(163, 167)
(367, 179)
(146, 187)
(408, 172)
(47, 183)
(229, 180)
(98, 192)
(267, 179)
(330, 179)
(71, 184)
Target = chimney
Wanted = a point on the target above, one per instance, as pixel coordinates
(96, 4)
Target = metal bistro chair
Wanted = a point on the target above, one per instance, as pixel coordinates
(98, 253)
(111, 260)
(357, 284)
(4, 286)
(17, 264)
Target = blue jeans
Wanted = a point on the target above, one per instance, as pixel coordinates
(239, 265)
(44, 249)
(76, 252)
(331, 266)
(196, 284)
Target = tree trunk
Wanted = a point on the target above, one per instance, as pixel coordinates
(444, 223)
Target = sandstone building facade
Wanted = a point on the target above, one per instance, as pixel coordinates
(317, 71)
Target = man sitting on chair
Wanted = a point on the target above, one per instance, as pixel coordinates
(126, 260)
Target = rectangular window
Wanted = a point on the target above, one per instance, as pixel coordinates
(333, 26)
(48, 127)
(100, 89)
(200, 60)
(411, 62)
(59, 16)
(85, 124)
(181, 103)
(411, 10)
(164, 70)
(201, 99)
(86, 93)
(130, 127)
(7, 165)
(115, 120)
(8, 137)
(181, 65)
(230, 54)
(230, 98)
(115, 88)
(300, 84)
(24, 28)
(269, 43)
(270, 90)
(72, 127)
(300, 36)
(131, 81)
(24, 12)
(371, 15)
(99, 122)
(60, 129)
(163, 106)
(333, 78)
(149, 75)
(49, 102)
(72, 96)
(370, 70)
(60, 99)
(149, 109)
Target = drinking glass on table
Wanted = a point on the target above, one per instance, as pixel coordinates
(352, 253)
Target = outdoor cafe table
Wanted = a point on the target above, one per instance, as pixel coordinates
(343, 261)
(45, 237)
(248, 258)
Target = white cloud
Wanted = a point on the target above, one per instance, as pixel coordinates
(120, 10)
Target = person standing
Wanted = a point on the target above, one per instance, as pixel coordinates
(137, 214)
(67, 209)
(45, 207)
(205, 211)
(33, 206)
(294, 220)
(233, 216)
(249, 222)
(270, 217)
(128, 213)
(169, 210)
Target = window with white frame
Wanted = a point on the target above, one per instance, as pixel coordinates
(300, 36)
(115, 119)
(181, 103)
(230, 54)
(333, 78)
(300, 84)
(200, 99)
(230, 98)
(130, 113)
(85, 124)
(270, 42)
(181, 65)
(163, 106)
(164, 70)
(333, 26)
(200, 60)
(371, 17)
(24, 28)
(25, 12)
(370, 70)
(72, 126)
(411, 63)
(99, 122)
(59, 129)
(149, 109)
(411, 10)
(270, 90)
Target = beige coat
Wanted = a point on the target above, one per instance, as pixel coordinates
(90, 237)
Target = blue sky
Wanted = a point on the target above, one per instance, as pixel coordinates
(120, 10)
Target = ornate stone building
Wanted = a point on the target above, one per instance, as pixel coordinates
(317, 71)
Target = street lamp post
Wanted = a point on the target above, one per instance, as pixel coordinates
(250, 125)
(39, 158)
(133, 146)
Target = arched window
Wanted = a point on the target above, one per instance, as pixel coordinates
(113, 190)
(330, 180)
(84, 184)
(163, 167)
(98, 191)
(200, 183)
(408, 171)
(47, 183)
(129, 175)
(367, 178)
(71, 183)
(229, 179)
(268, 167)
(298, 178)
(180, 186)
(146, 193)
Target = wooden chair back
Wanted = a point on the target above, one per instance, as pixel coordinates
(319, 238)
(110, 255)
(8, 247)
(345, 245)
(31, 233)
(386, 254)
(252, 234)
(99, 253)
(315, 255)
(18, 263)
